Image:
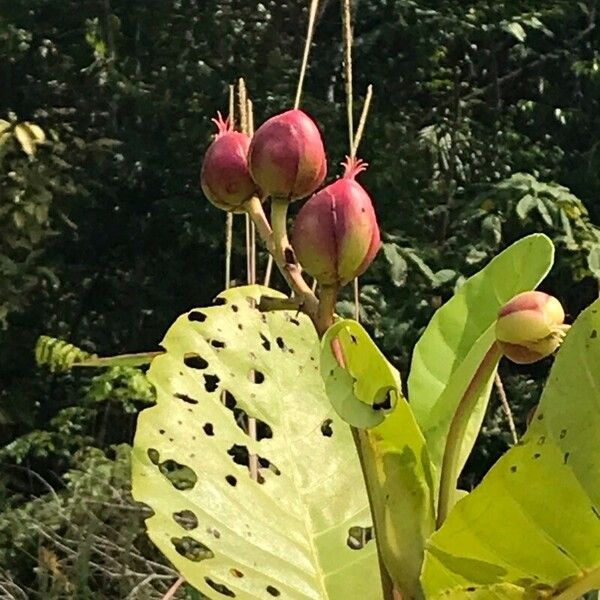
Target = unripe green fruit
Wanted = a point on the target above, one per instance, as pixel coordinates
(530, 327)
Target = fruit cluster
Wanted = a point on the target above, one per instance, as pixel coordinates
(336, 235)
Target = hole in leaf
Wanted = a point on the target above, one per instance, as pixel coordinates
(231, 480)
(566, 457)
(273, 591)
(386, 403)
(563, 434)
(194, 361)
(236, 573)
(241, 456)
(354, 339)
(235, 308)
(219, 587)
(217, 344)
(326, 428)
(536, 455)
(186, 398)
(154, 456)
(192, 549)
(513, 469)
(266, 344)
(186, 519)
(197, 316)
(180, 476)
(256, 376)
(295, 322)
(211, 382)
(220, 301)
(265, 463)
(209, 429)
(263, 430)
(280, 343)
(359, 537)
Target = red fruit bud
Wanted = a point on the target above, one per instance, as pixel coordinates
(336, 236)
(225, 177)
(530, 327)
(287, 157)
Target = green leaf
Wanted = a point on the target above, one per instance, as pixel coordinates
(367, 379)
(544, 212)
(460, 334)
(420, 264)
(397, 263)
(290, 534)
(534, 522)
(395, 459)
(594, 261)
(491, 228)
(525, 205)
(122, 360)
(26, 138)
(516, 30)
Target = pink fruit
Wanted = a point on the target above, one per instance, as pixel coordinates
(287, 157)
(225, 177)
(530, 327)
(336, 236)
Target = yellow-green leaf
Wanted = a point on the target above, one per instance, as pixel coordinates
(297, 533)
(534, 522)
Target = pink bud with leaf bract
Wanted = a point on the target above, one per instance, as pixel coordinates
(336, 235)
(530, 327)
(287, 156)
(225, 177)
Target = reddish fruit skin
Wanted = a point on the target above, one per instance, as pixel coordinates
(336, 235)
(287, 156)
(225, 178)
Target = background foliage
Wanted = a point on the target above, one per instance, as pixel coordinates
(484, 128)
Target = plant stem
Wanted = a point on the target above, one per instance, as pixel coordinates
(328, 295)
(290, 269)
(450, 472)
(587, 583)
(279, 210)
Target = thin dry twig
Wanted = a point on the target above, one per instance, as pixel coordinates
(506, 407)
(171, 593)
(309, 37)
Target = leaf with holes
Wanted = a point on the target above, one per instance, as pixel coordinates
(534, 522)
(395, 458)
(367, 386)
(303, 530)
(459, 336)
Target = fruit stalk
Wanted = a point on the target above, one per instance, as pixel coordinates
(307, 301)
(449, 473)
